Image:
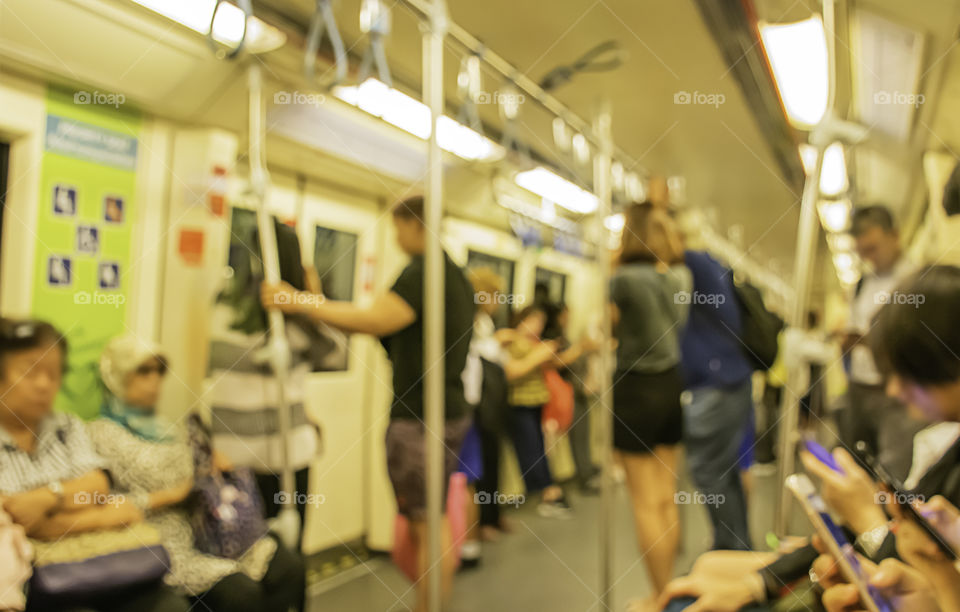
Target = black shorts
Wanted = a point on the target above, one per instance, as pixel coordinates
(646, 410)
(406, 462)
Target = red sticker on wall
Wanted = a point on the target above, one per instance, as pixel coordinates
(190, 246)
(218, 204)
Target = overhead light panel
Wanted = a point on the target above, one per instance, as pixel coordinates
(615, 223)
(808, 155)
(227, 27)
(798, 57)
(840, 243)
(833, 171)
(887, 63)
(849, 277)
(835, 215)
(844, 261)
(412, 116)
(548, 184)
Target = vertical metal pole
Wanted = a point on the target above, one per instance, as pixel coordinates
(433, 300)
(602, 185)
(288, 525)
(797, 319)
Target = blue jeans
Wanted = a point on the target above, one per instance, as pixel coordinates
(714, 422)
(527, 435)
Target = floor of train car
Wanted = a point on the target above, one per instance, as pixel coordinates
(549, 564)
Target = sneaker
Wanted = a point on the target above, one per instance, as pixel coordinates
(558, 509)
(589, 489)
(470, 554)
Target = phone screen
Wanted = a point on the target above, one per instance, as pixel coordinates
(901, 497)
(821, 453)
(837, 542)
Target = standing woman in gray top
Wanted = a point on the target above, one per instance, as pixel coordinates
(650, 297)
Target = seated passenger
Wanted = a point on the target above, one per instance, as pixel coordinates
(152, 462)
(50, 475)
(917, 346)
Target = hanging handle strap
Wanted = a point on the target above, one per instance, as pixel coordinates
(375, 21)
(247, 7)
(325, 21)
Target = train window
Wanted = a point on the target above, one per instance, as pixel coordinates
(335, 258)
(505, 269)
(551, 286)
(243, 227)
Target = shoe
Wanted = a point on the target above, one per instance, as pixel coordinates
(468, 564)
(470, 554)
(588, 488)
(489, 533)
(558, 509)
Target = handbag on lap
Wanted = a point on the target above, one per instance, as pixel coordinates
(226, 509)
(227, 513)
(85, 565)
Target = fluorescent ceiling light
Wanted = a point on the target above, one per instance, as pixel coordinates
(227, 27)
(887, 60)
(634, 188)
(550, 185)
(798, 57)
(548, 210)
(833, 173)
(844, 261)
(808, 155)
(615, 223)
(849, 277)
(840, 243)
(835, 215)
(413, 116)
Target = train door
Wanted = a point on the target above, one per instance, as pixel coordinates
(338, 233)
(505, 269)
(551, 286)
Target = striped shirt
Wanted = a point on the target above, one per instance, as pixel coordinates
(63, 452)
(243, 396)
(531, 388)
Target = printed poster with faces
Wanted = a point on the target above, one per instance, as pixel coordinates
(83, 264)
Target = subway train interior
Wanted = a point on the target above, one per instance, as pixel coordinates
(384, 305)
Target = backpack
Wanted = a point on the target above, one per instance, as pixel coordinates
(759, 327)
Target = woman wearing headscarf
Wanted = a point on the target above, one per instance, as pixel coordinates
(152, 463)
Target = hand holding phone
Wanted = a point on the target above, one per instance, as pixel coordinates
(905, 501)
(821, 453)
(899, 583)
(836, 542)
(846, 488)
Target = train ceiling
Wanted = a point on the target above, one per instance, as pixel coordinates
(718, 144)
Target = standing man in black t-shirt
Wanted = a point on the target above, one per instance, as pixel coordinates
(396, 317)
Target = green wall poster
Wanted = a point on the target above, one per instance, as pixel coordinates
(82, 270)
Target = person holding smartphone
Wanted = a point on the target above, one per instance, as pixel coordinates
(873, 416)
(916, 546)
(918, 352)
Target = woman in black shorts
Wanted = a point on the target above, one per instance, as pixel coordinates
(650, 298)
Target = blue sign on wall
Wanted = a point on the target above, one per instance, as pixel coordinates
(90, 142)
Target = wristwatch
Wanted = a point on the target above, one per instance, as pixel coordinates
(56, 487)
(871, 541)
